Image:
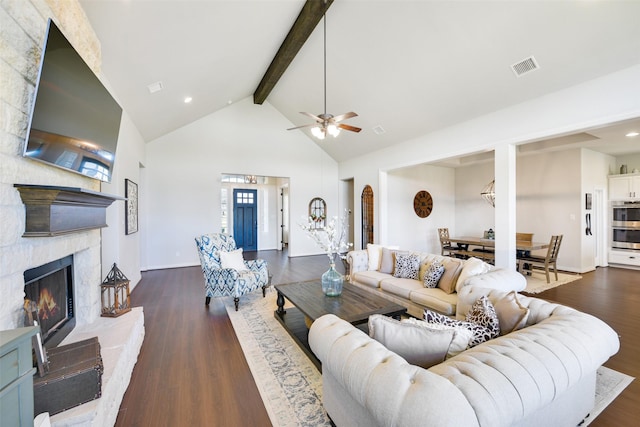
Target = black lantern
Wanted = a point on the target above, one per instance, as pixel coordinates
(115, 293)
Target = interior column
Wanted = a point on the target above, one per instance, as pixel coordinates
(505, 210)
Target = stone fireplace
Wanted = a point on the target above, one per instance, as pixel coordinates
(50, 288)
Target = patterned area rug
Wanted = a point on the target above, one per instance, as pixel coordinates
(291, 386)
(609, 384)
(537, 281)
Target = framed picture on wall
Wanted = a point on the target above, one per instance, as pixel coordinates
(587, 201)
(131, 206)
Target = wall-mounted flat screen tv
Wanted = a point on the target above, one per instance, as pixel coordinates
(74, 122)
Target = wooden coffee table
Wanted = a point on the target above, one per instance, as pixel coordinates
(354, 305)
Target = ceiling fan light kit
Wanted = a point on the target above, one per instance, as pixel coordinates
(327, 123)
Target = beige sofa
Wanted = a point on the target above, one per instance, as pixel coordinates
(541, 375)
(378, 277)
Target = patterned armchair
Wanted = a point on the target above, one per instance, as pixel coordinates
(220, 282)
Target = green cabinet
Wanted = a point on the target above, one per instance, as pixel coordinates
(16, 377)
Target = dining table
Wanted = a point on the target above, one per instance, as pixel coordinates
(483, 248)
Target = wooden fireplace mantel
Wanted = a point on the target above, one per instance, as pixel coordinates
(53, 210)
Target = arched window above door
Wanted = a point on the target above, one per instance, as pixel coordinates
(318, 212)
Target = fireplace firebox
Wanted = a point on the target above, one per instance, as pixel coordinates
(50, 286)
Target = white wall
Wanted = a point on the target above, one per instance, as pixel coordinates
(595, 168)
(406, 229)
(183, 177)
(117, 247)
(473, 215)
(549, 201)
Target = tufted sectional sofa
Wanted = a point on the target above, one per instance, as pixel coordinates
(542, 374)
(415, 296)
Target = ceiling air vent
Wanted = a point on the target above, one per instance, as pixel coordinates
(379, 130)
(155, 87)
(525, 66)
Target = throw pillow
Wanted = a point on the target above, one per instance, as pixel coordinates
(387, 261)
(418, 345)
(433, 274)
(461, 336)
(479, 333)
(407, 266)
(374, 252)
(232, 259)
(512, 315)
(472, 267)
(484, 313)
(452, 269)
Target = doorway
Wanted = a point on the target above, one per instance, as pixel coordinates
(367, 216)
(245, 219)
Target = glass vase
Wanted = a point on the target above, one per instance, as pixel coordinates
(332, 281)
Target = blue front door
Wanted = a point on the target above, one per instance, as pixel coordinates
(245, 219)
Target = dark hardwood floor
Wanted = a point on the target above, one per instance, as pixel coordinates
(191, 370)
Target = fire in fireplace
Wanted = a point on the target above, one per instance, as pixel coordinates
(50, 286)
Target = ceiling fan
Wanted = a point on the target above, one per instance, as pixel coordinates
(327, 123)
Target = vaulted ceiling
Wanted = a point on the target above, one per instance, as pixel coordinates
(406, 67)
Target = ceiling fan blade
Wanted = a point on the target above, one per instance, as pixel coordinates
(348, 127)
(344, 116)
(313, 116)
(304, 126)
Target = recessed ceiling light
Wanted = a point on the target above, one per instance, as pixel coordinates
(631, 134)
(188, 99)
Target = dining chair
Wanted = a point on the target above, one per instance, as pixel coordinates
(446, 247)
(545, 262)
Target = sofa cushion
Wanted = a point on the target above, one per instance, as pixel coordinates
(484, 313)
(369, 278)
(407, 266)
(374, 252)
(436, 299)
(433, 274)
(501, 279)
(400, 287)
(418, 345)
(511, 313)
(452, 269)
(461, 336)
(472, 267)
(480, 333)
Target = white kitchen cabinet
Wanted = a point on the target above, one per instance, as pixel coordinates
(624, 257)
(624, 187)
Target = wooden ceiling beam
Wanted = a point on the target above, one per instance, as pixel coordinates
(309, 17)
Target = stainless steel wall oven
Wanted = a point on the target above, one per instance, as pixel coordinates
(625, 225)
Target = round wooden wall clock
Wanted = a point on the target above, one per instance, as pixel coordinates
(423, 204)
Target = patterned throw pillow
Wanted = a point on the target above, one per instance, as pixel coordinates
(480, 333)
(407, 266)
(433, 274)
(484, 313)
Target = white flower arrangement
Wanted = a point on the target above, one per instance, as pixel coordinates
(332, 239)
